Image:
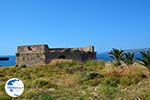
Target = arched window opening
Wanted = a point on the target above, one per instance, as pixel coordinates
(61, 57)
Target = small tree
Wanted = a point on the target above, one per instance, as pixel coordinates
(117, 54)
(145, 58)
(128, 58)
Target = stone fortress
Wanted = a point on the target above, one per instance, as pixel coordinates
(42, 54)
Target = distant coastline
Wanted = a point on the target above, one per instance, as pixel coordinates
(100, 56)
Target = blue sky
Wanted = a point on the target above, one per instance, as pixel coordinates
(106, 24)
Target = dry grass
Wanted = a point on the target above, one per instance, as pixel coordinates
(58, 61)
(95, 80)
(125, 70)
(66, 80)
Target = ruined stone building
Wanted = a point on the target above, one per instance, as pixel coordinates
(42, 54)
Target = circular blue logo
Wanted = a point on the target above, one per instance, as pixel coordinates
(14, 87)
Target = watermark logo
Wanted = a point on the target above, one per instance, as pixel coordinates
(14, 87)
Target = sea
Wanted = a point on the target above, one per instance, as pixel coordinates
(10, 62)
(102, 56)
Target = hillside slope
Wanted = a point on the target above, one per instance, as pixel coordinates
(73, 80)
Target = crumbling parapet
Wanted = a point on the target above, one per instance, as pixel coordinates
(42, 54)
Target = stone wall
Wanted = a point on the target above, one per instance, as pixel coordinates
(42, 54)
(33, 49)
(31, 59)
(64, 55)
(31, 55)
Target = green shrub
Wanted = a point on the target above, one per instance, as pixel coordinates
(2, 86)
(46, 98)
(141, 75)
(88, 75)
(94, 64)
(43, 83)
(1, 74)
(93, 82)
(81, 98)
(111, 81)
(109, 92)
(23, 66)
(74, 69)
(5, 97)
(137, 77)
(147, 96)
(63, 65)
(68, 64)
(29, 94)
(126, 81)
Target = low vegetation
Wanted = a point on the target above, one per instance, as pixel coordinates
(145, 60)
(128, 58)
(117, 55)
(74, 80)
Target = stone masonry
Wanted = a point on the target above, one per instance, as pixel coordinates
(42, 54)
